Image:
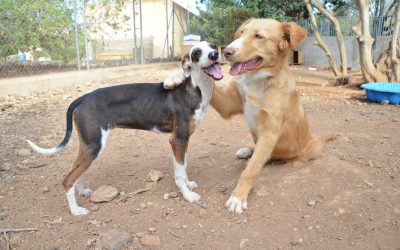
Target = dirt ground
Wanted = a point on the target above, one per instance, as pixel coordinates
(348, 198)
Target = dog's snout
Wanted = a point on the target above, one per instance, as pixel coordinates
(228, 52)
(213, 55)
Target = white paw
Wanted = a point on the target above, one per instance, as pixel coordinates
(86, 192)
(235, 204)
(191, 184)
(191, 197)
(244, 153)
(173, 81)
(79, 211)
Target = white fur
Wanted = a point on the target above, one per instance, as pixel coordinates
(73, 205)
(252, 84)
(173, 81)
(183, 183)
(82, 190)
(244, 153)
(237, 44)
(45, 151)
(156, 130)
(235, 204)
(104, 136)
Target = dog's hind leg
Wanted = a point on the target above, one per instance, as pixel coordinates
(87, 154)
(179, 147)
(82, 190)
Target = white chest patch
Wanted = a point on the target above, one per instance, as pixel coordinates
(199, 115)
(251, 85)
(250, 114)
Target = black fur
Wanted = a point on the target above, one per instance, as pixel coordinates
(138, 106)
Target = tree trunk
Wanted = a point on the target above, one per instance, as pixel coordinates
(320, 42)
(365, 40)
(394, 57)
(339, 38)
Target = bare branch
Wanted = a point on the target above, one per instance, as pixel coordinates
(394, 57)
(339, 36)
(365, 40)
(321, 43)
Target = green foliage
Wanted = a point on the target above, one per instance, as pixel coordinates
(31, 24)
(222, 17)
(103, 13)
(219, 25)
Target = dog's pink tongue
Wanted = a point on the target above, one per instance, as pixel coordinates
(236, 69)
(215, 71)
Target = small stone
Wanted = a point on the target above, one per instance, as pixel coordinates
(185, 227)
(45, 189)
(26, 162)
(170, 195)
(142, 205)
(94, 208)
(347, 120)
(294, 242)
(24, 152)
(114, 239)
(152, 230)
(311, 203)
(341, 211)
(243, 243)
(150, 240)
(154, 175)
(395, 120)
(104, 194)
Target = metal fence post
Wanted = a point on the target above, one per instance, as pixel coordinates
(141, 34)
(78, 61)
(85, 30)
(134, 31)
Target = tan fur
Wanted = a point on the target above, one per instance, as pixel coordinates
(282, 130)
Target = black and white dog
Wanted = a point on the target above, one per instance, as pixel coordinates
(143, 106)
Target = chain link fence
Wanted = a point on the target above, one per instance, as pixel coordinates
(379, 26)
(38, 37)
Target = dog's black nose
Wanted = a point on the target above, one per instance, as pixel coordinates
(213, 55)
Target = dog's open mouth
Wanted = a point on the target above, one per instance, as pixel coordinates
(242, 67)
(214, 70)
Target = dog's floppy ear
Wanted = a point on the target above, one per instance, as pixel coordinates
(293, 35)
(239, 30)
(186, 65)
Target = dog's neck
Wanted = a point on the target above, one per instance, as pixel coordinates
(206, 85)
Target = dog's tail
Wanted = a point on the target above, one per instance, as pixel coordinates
(315, 146)
(68, 132)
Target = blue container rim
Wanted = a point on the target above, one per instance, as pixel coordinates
(391, 87)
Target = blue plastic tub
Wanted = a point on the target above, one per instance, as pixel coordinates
(383, 92)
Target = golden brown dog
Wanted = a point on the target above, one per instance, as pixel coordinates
(263, 89)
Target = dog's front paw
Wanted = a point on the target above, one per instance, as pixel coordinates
(191, 184)
(79, 211)
(174, 81)
(244, 153)
(191, 197)
(236, 204)
(86, 192)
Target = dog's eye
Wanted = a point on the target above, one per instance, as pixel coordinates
(258, 36)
